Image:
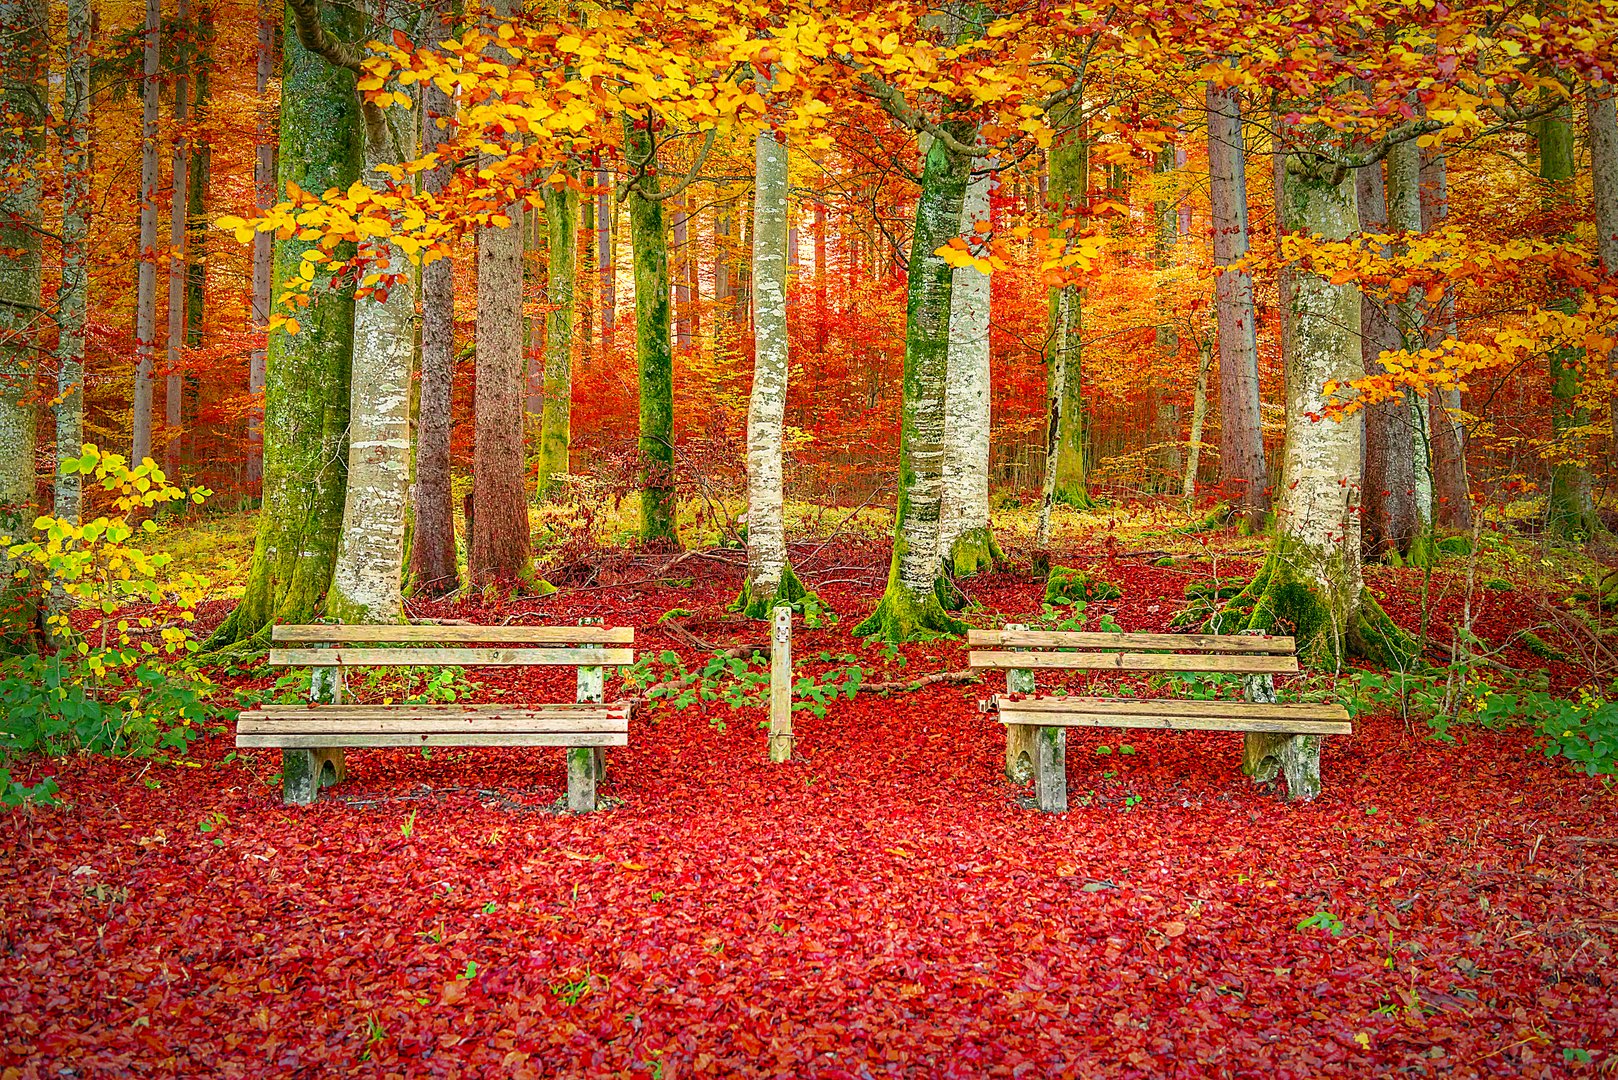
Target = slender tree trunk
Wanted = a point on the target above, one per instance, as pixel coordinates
(654, 358)
(306, 389)
(199, 181)
(681, 258)
(1199, 416)
(1601, 111)
(146, 274)
(78, 204)
(1452, 490)
(263, 255)
(1404, 216)
(433, 571)
(555, 432)
(965, 541)
(911, 606)
(1388, 485)
(24, 28)
(1244, 478)
(609, 272)
(174, 381)
(769, 573)
(369, 572)
(1167, 337)
(822, 275)
(1068, 186)
(501, 548)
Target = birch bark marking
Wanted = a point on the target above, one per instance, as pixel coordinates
(146, 272)
(910, 606)
(174, 380)
(1243, 474)
(370, 557)
(555, 423)
(77, 207)
(965, 542)
(769, 578)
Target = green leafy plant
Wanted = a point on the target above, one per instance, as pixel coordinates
(1324, 920)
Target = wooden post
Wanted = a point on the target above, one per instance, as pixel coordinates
(1050, 769)
(781, 686)
(1020, 751)
(305, 771)
(585, 764)
(1265, 753)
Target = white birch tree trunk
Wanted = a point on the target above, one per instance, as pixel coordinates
(964, 540)
(768, 575)
(369, 570)
(146, 273)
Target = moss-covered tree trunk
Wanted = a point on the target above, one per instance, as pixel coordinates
(72, 300)
(1069, 185)
(911, 606)
(1244, 477)
(23, 37)
(555, 427)
(653, 355)
(964, 538)
(1310, 585)
(306, 374)
(769, 571)
(369, 573)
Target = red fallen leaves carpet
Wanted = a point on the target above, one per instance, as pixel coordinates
(880, 907)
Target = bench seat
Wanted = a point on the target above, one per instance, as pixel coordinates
(1171, 714)
(434, 725)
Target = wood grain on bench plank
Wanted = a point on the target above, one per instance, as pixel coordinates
(433, 632)
(357, 739)
(1272, 718)
(1207, 643)
(312, 723)
(1185, 706)
(340, 657)
(1132, 661)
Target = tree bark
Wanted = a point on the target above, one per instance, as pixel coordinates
(769, 575)
(1601, 111)
(555, 432)
(1244, 478)
(263, 255)
(1069, 184)
(965, 541)
(433, 571)
(198, 182)
(604, 260)
(174, 379)
(306, 389)
(78, 205)
(146, 273)
(501, 549)
(680, 258)
(911, 606)
(822, 276)
(1404, 216)
(1451, 489)
(369, 572)
(654, 358)
(24, 28)
(1388, 484)
(1199, 416)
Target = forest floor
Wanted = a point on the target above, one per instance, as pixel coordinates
(883, 905)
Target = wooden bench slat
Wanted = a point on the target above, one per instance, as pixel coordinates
(1178, 706)
(1132, 661)
(449, 657)
(354, 739)
(1056, 639)
(315, 723)
(1167, 721)
(559, 712)
(434, 632)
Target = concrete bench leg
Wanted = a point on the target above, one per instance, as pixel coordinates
(581, 779)
(1265, 753)
(1020, 752)
(1050, 769)
(305, 772)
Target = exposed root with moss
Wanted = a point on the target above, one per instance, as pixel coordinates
(757, 603)
(1066, 585)
(903, 615)
(1074, 495)
(973, 552)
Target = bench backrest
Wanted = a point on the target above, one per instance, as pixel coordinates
(1244, 654)
(400, 646)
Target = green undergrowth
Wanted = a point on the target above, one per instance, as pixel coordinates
(740, 683)
(1066, 585)
(791, 592)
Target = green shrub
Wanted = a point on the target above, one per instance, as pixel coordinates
(1066, 585)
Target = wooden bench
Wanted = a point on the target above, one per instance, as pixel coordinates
(312, 737)
(1282, 738)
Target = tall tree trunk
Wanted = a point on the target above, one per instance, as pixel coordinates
(78, 204)
(1601, 111)
(1068, 186)
(1388, 485)
(1167, 337)
(1310, 585)
(604, 259)
(199, 179)
(769, 572)
(654, 358)
(24, 26)
(1452, 491)
(681, 259)
(965, 541)
(174, 381)
(501, 548)
(306, 393)
(1199, 416)
(911, 606)
(1404, 216)
(146, 274)
(1244, 478)
(369, 572)
(555, 432)
(433, 571)
(263, 254)
(822, 276)
(1569, 510)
